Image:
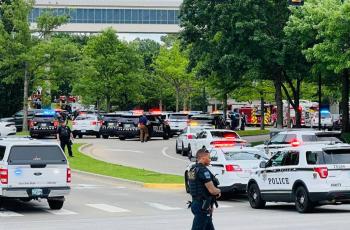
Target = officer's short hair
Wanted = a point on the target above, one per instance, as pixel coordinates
(202, 152)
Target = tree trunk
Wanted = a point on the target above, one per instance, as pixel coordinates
(225, 106)
(279, 103)
(262, 105)
(345, 101)
(177, 100)
(161, 105)
(297, 103)
(319, 100)
(25, 98)
(184, 107)
(108, 102)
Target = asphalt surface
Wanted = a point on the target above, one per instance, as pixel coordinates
(157, 155)
(103, 203)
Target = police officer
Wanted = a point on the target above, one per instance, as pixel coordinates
(143, 122)
(202, 189)
(64, 135)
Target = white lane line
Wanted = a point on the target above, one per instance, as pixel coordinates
(7, 213)
(224, 206)
(86, 186)
(124, 150)
(166, 155)
(162, 206)
(62, 212)
(107, 208)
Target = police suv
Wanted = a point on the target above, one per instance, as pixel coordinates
(308, 175)
(44, 124)
(30, 169)
(110, 122)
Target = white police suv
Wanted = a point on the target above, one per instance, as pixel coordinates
(308, 175)
(30, 169)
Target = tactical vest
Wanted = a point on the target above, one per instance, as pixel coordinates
(197, 187)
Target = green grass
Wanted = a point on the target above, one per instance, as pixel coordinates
(23, 133)
(346, 137)
(253, 132)
(88, 164)
(255, 143)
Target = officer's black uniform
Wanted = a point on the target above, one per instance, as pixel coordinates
(198, 176)
(64, 134)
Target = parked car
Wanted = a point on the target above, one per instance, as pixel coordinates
(177, 122)
(87, 125)
(7, 128)
(44, 124)
(110, 123)
(189, 133)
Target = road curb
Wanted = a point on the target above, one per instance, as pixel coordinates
(164, 186)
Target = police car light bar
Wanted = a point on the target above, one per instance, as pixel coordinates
(218, 144)
(295, 143)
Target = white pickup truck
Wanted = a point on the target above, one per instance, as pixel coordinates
(30, 169)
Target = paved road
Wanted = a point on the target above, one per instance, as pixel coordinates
(101, 203)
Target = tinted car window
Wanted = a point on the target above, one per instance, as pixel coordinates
(291, 158)
(338, 156)
(129, 119)
(290, 137)
(2, 152)
(36, 155)
(244, 155)
(178, 116)
(218, 134)
(88, 118)
(309, 138)
(278, 139)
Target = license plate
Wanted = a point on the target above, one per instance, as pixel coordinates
(43, 125)
(111, 125)
(37, 192)
(83, 131)
(127, 126)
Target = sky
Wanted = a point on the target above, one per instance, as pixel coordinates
(132, 36)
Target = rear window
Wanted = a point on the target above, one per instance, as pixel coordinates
(87, 118)
(217, 134)
(129, 119)
(330, 139)
(339, 156)
(325, 115)
(178, 116)
(244, 155)
(309, 138)
(36, 155)
(111, 117)
(2, 152)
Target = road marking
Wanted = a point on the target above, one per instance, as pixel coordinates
(62, 212)
(107, 208)
(7, 213)
(224, 206)
(166, 155)
(86, 186)
(124, 150)
(162, 206)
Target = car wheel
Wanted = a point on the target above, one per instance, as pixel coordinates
(98, 136)
(74, 136)
(177, 149)
(122, 138)
(254, 197)
(105, 136)
(189, 152)
(55, 204)
(183, 152)
(303, 203)
(80, 136)
(187, 185)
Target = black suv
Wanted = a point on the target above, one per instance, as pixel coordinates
(43, 124)
(128, 127)
(110, 125)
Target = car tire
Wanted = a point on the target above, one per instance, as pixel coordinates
(183, 152)
(303, 203)
(56, 204)
(189, 152)
(122, 138)
(187, 185)
(80, 136)
(105, 136)
(74, 136)
(98, 136)
(176, 149)
(254, 197)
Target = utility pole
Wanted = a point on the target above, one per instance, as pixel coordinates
(319, 100)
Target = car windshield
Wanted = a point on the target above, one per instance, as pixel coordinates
(334, 156)
(243, 155)
(178, 116)
(36, 155)
(223, 134)
(283, 138)
(325, 115)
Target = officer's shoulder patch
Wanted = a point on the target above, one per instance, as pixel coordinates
(207, 175)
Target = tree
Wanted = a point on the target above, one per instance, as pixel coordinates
(113, 69)
(171, 65)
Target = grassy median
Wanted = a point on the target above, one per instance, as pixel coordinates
(85, 163)
(254, 132)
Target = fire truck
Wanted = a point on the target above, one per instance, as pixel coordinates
(307, 110)
(253, 113)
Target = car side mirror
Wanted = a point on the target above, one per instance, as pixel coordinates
(214, 158)
(262, 164)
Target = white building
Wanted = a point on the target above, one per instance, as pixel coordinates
(125, 16)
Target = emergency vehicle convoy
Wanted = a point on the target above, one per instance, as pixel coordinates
(307, 175)
(32, 170)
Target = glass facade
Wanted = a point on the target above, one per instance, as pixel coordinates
(113, 16)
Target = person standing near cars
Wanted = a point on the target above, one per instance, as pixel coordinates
(204, 192)
(65, 136)
(243, 121)
(143, 121)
